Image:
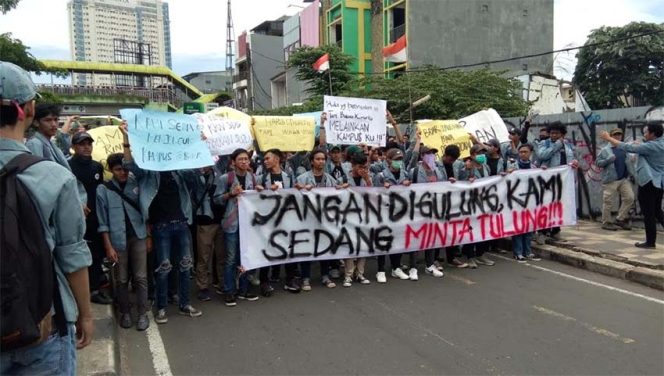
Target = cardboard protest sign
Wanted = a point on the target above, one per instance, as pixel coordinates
(486, 125)
(164, 141)
(288, 225)
(316, 115)
(286, 133)
(107, 141)
(440, 133)
(354, 121)
(223, 135)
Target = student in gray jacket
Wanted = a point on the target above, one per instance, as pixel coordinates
(616, 170)
(649, 177)
(124, 234)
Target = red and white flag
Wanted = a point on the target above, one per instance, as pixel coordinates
(396, 52)
(322, 64)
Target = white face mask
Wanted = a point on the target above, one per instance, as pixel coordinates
(430, 160)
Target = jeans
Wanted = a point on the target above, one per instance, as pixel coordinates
(624, 187)
(55, 356)
(175, 239)
(521, 244)
(650, 201)
(135, 256)
(232, 240)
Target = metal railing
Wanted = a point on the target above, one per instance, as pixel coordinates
(156, 95)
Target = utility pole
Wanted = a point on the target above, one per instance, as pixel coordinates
(230, 36)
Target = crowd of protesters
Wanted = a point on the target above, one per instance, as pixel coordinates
(159, 231)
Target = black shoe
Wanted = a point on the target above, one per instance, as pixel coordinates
(644, 245)
(125, 321)
(292, 286)
(143, 322)
(204, 295)
(229, 300)
(173, 299)
(99, 298)
(266, 290)
(520, 259)
(247, 296)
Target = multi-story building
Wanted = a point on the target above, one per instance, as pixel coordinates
(260, 57)
(119, 31)
(452, 33)
(348, 25)
(302, 29)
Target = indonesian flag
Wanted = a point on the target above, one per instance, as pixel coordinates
(322, 64)
(396, 52)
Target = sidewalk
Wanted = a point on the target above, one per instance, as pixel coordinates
(613, 253)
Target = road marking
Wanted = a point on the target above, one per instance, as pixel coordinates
(157, 349)
(461, 279)
(586, 325)
(616, 289)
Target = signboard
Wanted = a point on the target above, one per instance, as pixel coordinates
(286, 133)
(440, 133)
(354, 121)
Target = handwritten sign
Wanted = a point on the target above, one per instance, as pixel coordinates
(316, 116)
(440, 133)
(108, 140)
(354, 121)
(224, 135)
(486, 125)
(288, 225)
(163, 141)
(286, 133)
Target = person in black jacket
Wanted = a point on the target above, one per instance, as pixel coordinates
(90, 174)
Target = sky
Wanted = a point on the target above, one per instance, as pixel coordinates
(198, 27)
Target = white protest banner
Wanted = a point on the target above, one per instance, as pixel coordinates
(354, 121)
(223, 135)
(165, 141)
(486, 125)
(286, 226)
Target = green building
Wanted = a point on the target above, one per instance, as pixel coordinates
(348, 25)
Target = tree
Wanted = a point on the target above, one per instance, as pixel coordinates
(626, 66)
(319, 83)
(14, 51)
(453, 93)
(7, 5)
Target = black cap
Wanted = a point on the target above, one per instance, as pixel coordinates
(80, 137)
(516, 131)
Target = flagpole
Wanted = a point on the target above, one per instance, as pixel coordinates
(329, 75)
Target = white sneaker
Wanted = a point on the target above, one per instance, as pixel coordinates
(412, 274)
(306, 284)
(348, 282)
(483, 260)
(398, 273)
(380, 277)
(360, 278)
(433, 270)
(438, 265)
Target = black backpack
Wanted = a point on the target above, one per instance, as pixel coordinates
(27, 273)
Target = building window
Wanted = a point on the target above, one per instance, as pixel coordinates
(336, 36)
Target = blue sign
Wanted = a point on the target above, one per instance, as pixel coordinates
(164, 141)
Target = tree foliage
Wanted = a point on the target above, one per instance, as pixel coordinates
(453, 93)
(634, 67)
(319, 83)
(14, 51)
(7, 5)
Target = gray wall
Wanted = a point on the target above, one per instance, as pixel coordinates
(582, 131)
(295, 88)
(454, 32)
(218, 81)
(267, 60)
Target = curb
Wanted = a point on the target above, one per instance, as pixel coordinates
(101, 357)
(595, 261)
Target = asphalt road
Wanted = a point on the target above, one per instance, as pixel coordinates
(506, 319)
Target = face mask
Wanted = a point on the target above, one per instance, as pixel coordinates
(430, 160)
(481, 158)
(397, 165)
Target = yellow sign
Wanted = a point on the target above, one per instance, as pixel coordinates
(108, 140)
(440, 133)
(233, 114)
(286, 133)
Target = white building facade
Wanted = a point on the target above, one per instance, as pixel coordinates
(118, 31)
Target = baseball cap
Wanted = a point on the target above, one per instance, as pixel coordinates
(493, 142)
(15, 84)
(80, 137)
(394, 153)
(516, 131)
(616, 131)
(353, 149)
(335, 147)
(427, 150)
(477, 148)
